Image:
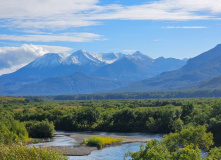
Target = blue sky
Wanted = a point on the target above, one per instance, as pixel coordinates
(169, 28)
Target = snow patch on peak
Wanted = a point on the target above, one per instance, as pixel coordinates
(109, 58)
(142, 56)
(81, 57)
(48, 60)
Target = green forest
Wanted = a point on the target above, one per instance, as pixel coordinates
(22, 119)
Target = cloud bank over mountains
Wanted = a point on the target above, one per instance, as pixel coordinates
(13, 58)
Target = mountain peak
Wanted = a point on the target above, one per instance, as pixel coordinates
(48, 60)
(142, 56)
(111, 57)
(138, 53)
(81, 51)
(204, 58)
(81, 57)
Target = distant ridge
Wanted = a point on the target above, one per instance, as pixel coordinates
(200, 68)
(77, 83)
(213, 83)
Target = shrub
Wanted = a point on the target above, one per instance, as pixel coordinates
(18, 151)
(154, 149)
(43, 129)
(101, 141)
(183, 145)
(214, 153)
(196, 136)
(12, 130)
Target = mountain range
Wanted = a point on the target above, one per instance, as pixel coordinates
(83, 72)
(198, 73)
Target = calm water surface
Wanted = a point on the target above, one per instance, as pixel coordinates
(110, 153)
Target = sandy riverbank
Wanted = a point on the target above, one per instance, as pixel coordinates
(83, 150)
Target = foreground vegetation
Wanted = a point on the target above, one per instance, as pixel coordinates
(184, 145)
(22, 152)
(14, 135)
(21, 119)
(100, 142)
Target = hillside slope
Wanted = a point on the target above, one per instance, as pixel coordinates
(77, 83)
(202, 67)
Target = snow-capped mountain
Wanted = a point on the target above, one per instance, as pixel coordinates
(142, 56)
(109, 58)
(81, 57)
(137, 66)
(48, 60)
(113, 66)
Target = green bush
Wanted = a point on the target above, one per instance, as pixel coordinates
(43, 129)
(189, 152)
(12, 130)
(154, 150)
(214, 154)
(196, 136)
(184, 145)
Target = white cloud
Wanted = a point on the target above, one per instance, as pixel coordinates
(47, 13)
(55, 49)
(33, 9)
(71, 37)
(52, 14)
(154, 11)
(13, 58)
(185, 27)
(11, 69)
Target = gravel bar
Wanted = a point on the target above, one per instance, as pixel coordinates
(83, 150)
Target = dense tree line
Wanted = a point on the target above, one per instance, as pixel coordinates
(136, 95)
(128, 116)
(131, 103)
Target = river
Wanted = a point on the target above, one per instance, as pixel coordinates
(109, 153)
